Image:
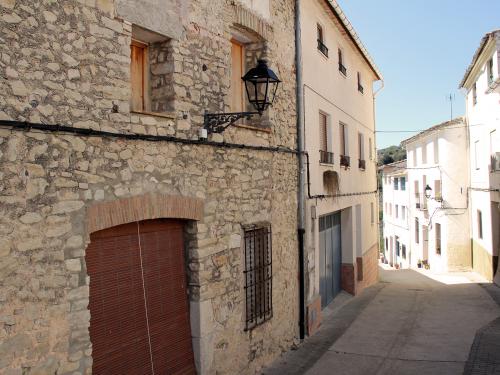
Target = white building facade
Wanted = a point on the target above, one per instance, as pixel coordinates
(438, 188)
(396, 223)
(482, 85)
(341, 192)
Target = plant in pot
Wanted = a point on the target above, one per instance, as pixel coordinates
(419, 263)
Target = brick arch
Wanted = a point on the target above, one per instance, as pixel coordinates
(143, 207)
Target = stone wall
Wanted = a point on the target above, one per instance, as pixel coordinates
(67, 62)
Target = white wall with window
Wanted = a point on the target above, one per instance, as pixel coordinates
(481, 83)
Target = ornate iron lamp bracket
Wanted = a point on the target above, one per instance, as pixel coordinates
(218, 122)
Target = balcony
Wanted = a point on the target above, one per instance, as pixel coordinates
(342, 69)
(326, 157)
(362, 164)
(345, 161)
(322, 48)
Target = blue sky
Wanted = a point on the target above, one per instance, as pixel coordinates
(422, 48)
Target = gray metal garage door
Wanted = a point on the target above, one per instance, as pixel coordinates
(330, 257)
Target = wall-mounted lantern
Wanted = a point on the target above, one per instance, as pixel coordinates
(261, 84)
(428, 190)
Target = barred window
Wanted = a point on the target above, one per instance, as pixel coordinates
(258, 276)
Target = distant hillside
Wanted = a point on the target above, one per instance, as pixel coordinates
(391, 154)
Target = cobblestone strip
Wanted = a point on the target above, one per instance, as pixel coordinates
(333, 327)
(484, 356)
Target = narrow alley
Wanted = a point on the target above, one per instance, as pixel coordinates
(409, 323)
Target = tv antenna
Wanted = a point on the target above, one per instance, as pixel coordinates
(451, 99)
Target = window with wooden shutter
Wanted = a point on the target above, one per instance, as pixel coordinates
(237, 71)
(323, 132)
(139, 76)
(258, 276)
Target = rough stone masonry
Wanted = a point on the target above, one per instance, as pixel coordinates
(68, 62)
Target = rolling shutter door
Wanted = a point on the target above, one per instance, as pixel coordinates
(127, 337)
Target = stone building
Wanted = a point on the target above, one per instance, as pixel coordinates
(118, 224)
(341, 194)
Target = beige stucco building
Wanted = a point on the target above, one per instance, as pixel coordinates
(481, 84)
(126, 242)
(341, 193)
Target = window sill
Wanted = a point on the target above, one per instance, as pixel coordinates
(168, 115)
(255, 128)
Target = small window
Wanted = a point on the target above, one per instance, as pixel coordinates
(437, 190)
(403, 212)
(489, 71)
(372, 213)
(494, 154)
(403, 251)
(424, 154)
(323, 131)
(321, 41)
(396, 183)
(361, 151)
(476, 154)
(139, 76)
(398, 248)
(438, 239)
(397, 211)
(474, 94)
(360, 85)
(402, 181)
(417, 231)
(436, 152)
(342, 67)
(480, 224)
(237, 71)
(386, 243)
(258, 275)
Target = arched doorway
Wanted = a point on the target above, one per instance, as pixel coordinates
(138, 299)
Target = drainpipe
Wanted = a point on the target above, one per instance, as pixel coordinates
(377, 203)
(300, 146)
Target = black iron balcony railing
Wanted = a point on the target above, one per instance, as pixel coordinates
(345, 161)
(360, 88)
(362, 164)
(342, 69)
(322, 48)
(326, 157)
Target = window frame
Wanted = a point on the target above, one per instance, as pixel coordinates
(417, 231)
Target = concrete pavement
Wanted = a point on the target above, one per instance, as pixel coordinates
(410, 323)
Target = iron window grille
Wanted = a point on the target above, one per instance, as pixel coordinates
(326, 157)
(345, 161)
(322, 48)
(258, 276)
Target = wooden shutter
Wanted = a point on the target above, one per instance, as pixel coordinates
(323, 132)
(237, 66)
(138, 53)
(126, 297)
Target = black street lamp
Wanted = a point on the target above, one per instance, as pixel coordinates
(261, 84)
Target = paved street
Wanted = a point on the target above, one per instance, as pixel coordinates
(410, 323)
